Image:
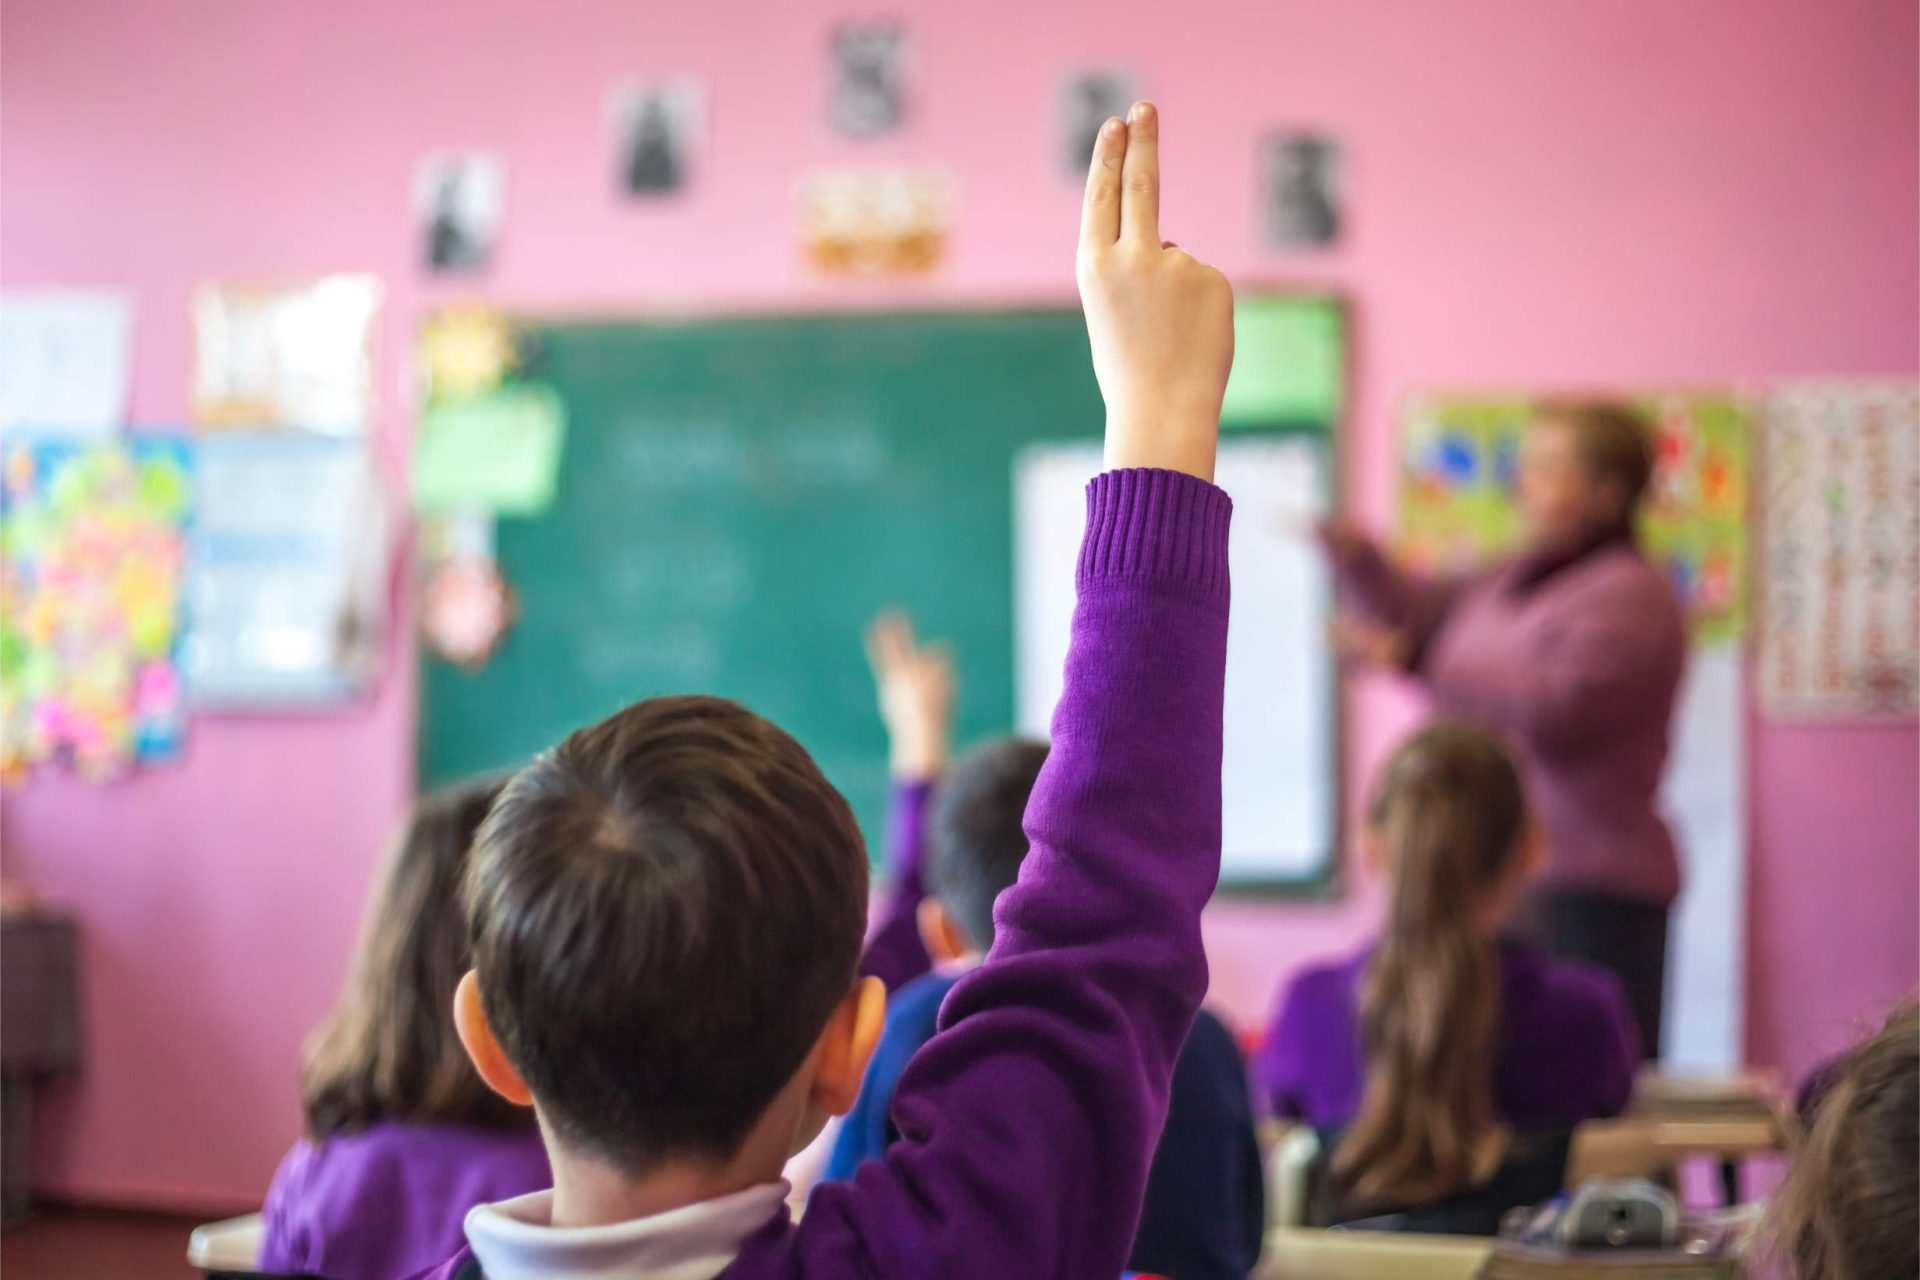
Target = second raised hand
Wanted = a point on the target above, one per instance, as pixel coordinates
(1160, 321)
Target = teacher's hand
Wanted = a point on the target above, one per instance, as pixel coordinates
(1360, 642)
(1343, 542)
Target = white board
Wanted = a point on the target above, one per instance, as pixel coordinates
(1704, 798)
(1279, 788)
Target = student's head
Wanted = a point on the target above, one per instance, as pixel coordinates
(667, 912)
(1449, 829)
(976, 841)
(1850, 1208)
(1584, 465)
(388, 1051)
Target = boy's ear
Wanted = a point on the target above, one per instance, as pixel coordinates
(940, 933)
(847, 1046)
(483, 1047)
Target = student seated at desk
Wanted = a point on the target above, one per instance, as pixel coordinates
(1850, 1207)
(1430, 1046)
(402, 1136)
(1205, 1207)
(668, 908)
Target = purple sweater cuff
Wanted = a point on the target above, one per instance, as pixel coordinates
(1165, 526)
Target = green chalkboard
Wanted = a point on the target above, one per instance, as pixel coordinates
(739, 496)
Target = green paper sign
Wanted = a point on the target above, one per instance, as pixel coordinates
(496, 455)
(1289, 363)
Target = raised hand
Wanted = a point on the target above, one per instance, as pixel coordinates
(1160, 321)
(915, 687)
(1345, 544)
(1360, 642)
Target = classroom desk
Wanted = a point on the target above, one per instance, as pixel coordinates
(1303, 1253)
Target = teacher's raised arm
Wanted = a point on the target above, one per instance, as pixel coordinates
(1573, 649)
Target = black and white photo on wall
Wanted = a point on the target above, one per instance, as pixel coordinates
(868, 93)
(1087, 99)
(1299, 189)
(459, 198)
(656, 129)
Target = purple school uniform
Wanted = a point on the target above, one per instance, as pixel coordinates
(1028, 1123)
(391, 1198)
(894, 952)
(1579, 663)
(1567, 1050)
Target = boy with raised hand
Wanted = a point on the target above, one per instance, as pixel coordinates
(667, 909)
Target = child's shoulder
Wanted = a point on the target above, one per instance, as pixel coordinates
(1331, 978)
(1567, 993)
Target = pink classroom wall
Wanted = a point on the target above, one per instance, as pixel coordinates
(1539, 193)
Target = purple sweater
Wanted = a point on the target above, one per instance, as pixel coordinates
(1568, 1048)
(894, 953)
(390, 1199)
(1579, 667)
(1028, 1122)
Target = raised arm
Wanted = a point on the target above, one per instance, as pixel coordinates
(915, 687)
(1028, 1123)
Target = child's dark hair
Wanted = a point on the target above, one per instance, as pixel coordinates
(388, 1050)
(666, 909)
(1850, 1207)
(975, 835)
(1450, 816)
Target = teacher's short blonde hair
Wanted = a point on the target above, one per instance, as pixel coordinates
(1614, 438)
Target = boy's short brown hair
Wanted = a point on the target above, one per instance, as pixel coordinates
(665, 909)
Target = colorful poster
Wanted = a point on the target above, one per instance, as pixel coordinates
(1459, 455)
(1840, 548)
(92, 552)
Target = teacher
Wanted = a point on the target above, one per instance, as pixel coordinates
(1573, 649)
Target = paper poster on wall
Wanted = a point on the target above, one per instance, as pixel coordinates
(657, 130)
(289, 581)
(94, 544)
(459, 202)
(1300, 190)
(1279, 786)
(868, 96)
(1289, 362)
(875, 221)
(1088, 99)
(464, 352)
(296, 355)
(1459, 455)
(1840, 551)
(497, 454)
(64, 361)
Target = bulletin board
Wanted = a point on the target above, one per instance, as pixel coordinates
(739, 496)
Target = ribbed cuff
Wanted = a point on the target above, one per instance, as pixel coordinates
(1164, 526)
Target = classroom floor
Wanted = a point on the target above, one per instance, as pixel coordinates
(98, 1244)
